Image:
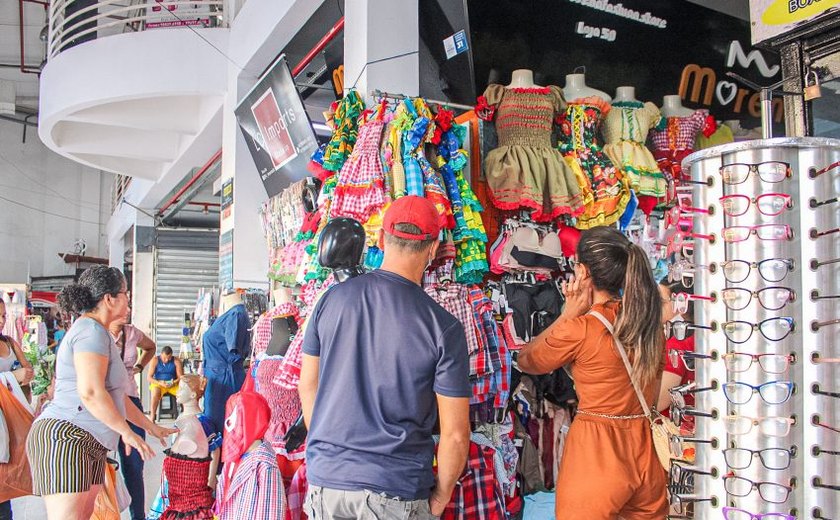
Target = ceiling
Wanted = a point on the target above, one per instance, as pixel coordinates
(26, 85)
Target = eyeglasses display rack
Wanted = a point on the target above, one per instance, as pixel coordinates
(772, 269)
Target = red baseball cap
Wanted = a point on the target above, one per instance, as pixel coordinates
(415, 210)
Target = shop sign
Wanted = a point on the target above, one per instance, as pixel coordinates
(227, 198)
(277, 129)
(164, 14)
(772, 18)
(660, 48)
(456, 44)
(226, 261)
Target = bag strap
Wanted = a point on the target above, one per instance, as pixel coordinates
(624, 358)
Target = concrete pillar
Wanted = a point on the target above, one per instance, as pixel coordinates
(143, 283)
(381, 46)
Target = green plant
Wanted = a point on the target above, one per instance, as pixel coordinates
(43, 364)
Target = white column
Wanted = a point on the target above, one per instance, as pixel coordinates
(381, 46)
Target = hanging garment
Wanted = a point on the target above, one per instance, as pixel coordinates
(602, 185)
(526, 171)
(346, 130)
(675, 141)
(284, 404)
(226, 343)
(189, 495)
(478, 493)
(297, 493)
(256, 490)
(626, 129)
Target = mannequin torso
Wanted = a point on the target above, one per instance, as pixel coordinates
(522, 78)
(576, 89)
(625, 94)
(672, 107)
(191, 440)
(229, 300)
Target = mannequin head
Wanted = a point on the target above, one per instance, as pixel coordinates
(190, 389)
(341, 247)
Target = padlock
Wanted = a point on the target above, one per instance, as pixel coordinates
(812, 91)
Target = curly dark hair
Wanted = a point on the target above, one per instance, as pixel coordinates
(93, 285)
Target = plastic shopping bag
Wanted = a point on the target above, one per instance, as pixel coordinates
(106, 506)
(4, 440)
(15, 475)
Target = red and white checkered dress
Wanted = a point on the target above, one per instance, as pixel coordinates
(360, 191)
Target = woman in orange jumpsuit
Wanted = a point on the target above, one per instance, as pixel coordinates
(609, 468)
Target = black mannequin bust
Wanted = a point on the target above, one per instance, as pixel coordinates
(341, 247)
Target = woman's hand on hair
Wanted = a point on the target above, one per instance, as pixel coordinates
(578, 295)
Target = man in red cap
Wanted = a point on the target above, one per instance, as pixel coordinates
(381, 362)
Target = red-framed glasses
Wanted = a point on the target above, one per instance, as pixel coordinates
(763, 232)
(769, 204)
(679, 301)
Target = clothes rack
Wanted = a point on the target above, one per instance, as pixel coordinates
(380, 94)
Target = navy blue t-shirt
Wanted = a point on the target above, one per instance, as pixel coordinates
(386, 348)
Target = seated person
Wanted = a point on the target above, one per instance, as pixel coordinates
(165, 371)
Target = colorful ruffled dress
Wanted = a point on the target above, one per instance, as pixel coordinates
(604, 191)
(676, 141)
(345, 122)
(526, 171)
(625, 131)
(360, 189)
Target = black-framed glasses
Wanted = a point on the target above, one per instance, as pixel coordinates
(771, 458)
(817, 483)
(734, 513)
(679, 414)
(773, 329)
(817, 325)
(680, 501)
(678, 329)
(771, 270)
(767, 171)
(678, 393)
(770, 426)
(689, 359)
(771, 363)
(815, 388)
(772, 392)
(768, 491)
(815, 233)
(771, 298)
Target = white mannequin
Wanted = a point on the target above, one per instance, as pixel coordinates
(672, 107)
(522, 78)
(576, 89)
(625, 94)
(229, 301)
(191, 440)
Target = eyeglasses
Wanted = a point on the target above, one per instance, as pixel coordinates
(768, 171)
(684, 271)
(771, 363)
(773, 329)
(769, 204)
(813, 172)
(816, 389)
(771, 270)
(814, 234)
(679, 301)
(817, 483)
(771, 298)
(770, 426)
(679, 501)
(688, 358)
(817, 325)
(762, 231)
(678, 393)
(768, 491)
(771, 458)
(814, 203)
(678, 329)
(733, 513)
(815, 295)
(680, 444)
(772, 392)
(680, 414)
(681, 476)
(815, 264)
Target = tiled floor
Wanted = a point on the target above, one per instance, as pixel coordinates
(32, 508)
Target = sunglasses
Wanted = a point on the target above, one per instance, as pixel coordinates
(813, 172)
(768, 491)
(816, 389)
(678, 329)
(679, 301)
(771, 458)
(814, 203)
(768, 171)
(768, 204)
(771, 298)
(733, 513)
(688, 358)
(680, 414)
(771, 270)
(763, 232)
(773, 329)
(771, 363)
(770, 426)
(772, 392)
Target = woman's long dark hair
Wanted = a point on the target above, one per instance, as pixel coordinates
(93, 285)
(621, 268)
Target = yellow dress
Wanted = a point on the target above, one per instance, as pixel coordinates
(625, 130)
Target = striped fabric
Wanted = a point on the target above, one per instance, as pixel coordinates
(64, 458)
